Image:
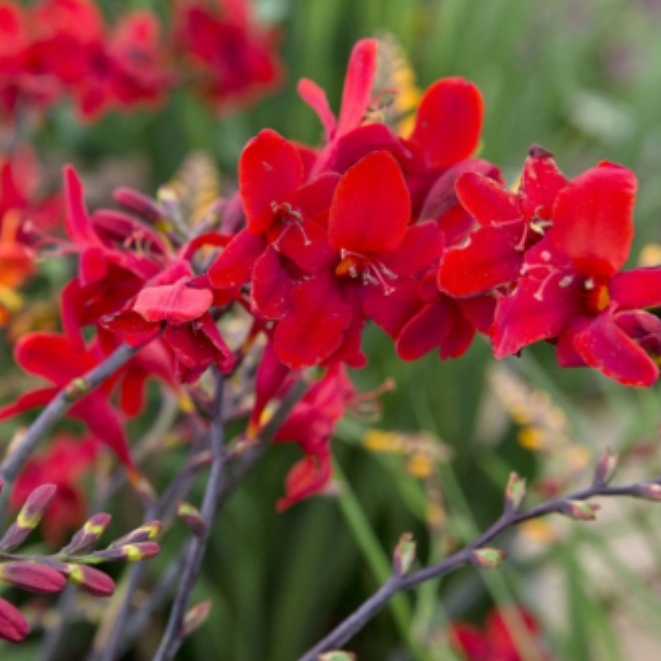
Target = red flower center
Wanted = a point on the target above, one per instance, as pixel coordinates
(371, 271)
(288, 217)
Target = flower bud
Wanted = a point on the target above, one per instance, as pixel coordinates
(606, 468)
(337, 655)
(130, 552)
(404, 555)
(13, 626)
(140, 204)
(196, 617)
(515, 493)
(89, 534)
(192, 517)
(650, 491)
(488, 558)
(29, 517)
(147, 531)
(32, 577)
(91, 580)
(580, 510)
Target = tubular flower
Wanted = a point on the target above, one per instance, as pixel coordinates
(571, 291)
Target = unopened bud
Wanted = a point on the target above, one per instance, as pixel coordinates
(76, 389)
(29, 517)
(515, 493)
(89, 534)
(488, 558)
(337, 655)
(648, 491)
(580, 510)
(196, 617)
(32, 577)
(91, 580)
(140, 204)
(404, 555)
(130, 552)
(606, 468)
(147, 531)
(13, 626)
(192, 518)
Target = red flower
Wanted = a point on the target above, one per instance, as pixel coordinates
(171, 302)
(509, 224)
(235, 58)
(375, 253)
(498, 641)
(65, 463)
(570, 290)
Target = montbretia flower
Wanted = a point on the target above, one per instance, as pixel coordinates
(374, 256)
(509, 224)
(571, 291)
(509, 634)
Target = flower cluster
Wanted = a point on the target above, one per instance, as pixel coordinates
(72, 564)
(64, 47)
(411, 232)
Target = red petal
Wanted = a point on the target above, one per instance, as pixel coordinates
(315, 97)
(371, 207)
(175, 303)
(486, 200)
(391, 312)
(104, 423)
(315, 324)
(271, 286)
(470, 641)
(132, 393)
(357, 92)
(314, 199)
(593, 219)
(270, 171)
(361, 141)
(439, 324)
(234, 265)
(449, 121)
(52, 357)
(30, 400)
(604, 346)
(532, 314)
(420, 249)
(541, 181)
(637, 288)
(307, 477)
(77, 222)
(490, 259)
(442, 195)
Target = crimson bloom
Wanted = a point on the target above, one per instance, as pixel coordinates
(374, 256)
(570, 290)
(509, 224)
(311, 425)
(495, 642)
(234, 57)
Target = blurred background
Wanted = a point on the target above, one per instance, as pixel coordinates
(583, 80)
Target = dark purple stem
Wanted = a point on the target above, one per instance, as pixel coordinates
(398, 583)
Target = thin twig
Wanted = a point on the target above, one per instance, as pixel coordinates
(510, 518)
(174, 633)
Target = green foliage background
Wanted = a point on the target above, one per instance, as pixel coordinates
(583, 79)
